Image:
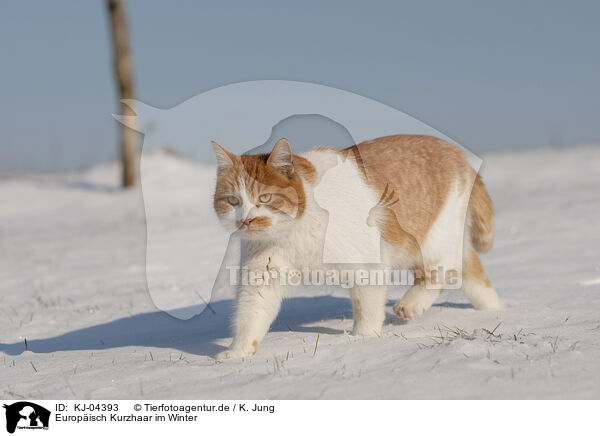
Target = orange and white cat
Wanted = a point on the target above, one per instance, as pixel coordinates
(404, 202)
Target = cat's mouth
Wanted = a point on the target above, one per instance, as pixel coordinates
(258, 223)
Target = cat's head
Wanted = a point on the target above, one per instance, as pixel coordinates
(260, 196)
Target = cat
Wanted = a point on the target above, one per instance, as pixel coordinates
(416, 193)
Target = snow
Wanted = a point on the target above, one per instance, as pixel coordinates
(72, 283)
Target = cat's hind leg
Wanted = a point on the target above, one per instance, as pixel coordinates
(476, 284)
(368, 307)
(419, 297)
(441, 255)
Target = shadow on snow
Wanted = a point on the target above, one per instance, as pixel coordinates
(197, 335)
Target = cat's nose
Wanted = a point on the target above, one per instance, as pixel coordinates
(247, 221)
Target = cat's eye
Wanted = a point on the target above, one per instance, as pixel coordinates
(264, 198)
(234, 201)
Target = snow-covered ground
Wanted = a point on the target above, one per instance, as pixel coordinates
(72, 285)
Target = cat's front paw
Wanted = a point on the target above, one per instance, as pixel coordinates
(234, 353)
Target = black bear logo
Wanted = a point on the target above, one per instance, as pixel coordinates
(32, 416)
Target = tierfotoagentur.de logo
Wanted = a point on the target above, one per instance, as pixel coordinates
(26, 416)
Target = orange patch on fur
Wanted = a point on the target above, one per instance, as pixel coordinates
(421, 170)
(481, 213)
(473, 269)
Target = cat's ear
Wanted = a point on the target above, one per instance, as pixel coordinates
(281, 157)
(224, 158)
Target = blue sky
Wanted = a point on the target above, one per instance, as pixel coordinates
(487, 74)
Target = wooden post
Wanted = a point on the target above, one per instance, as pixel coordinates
(123, 63)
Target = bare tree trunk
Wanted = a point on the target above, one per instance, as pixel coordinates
(124, 75)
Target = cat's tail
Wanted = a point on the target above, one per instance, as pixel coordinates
(481, 214)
